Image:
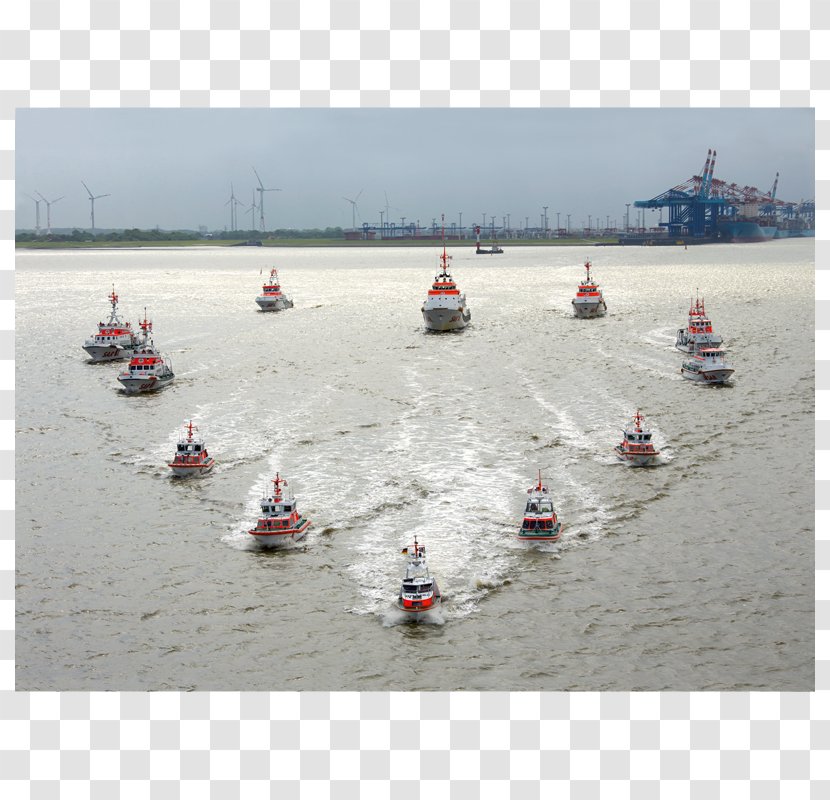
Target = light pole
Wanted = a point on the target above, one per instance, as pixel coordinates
(627, 218)
(545, 226)
(569, 224)
(589, 224)
(459, 225)
(557, 224)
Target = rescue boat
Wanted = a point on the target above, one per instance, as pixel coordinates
(115, 340)
(540, 523)
(589, 301)
(636, 447)
(272, 298)
(191, 456)
(280, 523)
(419, 590)
(698, 331)
(707, 365)
(148, 371)
(445, 308)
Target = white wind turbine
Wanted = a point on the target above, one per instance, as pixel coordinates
(37, 213)
(261, 189)
(49, 210)
(354, 205)
(92, 199)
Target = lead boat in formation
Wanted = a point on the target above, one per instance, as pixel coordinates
(272, 298)
(280, 524)
(191, 456)
(636, 447)
(540, 523)
(707, 365)
(589, 301)
(148, 370)
(698, 332)
(445, 308)
(419, 590)
(115, 340)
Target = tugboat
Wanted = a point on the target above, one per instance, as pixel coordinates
(588, 301)
(445, 308)
(540, 523)
(698, 333)
(419, 590)
(147, 370)
(115, 339)
(707, 365)
(636, 447)
(492, 250)
(272, 298)
(280, 523)
(191, 455)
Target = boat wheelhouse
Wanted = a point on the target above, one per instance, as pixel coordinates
(419, 590)
(191, 456)
(589, 301)
(272, 298)
(115, 340)
(707, 365)
(698, 332)
(540, 523)
(636, 447)
(445, 308)
(148, 370)
(280, 523)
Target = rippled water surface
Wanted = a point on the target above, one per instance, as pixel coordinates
(695, 574)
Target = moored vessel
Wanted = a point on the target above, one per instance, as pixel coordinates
(191, 456)
(707, 365)
(280, 524)
(445, 308)
(115, 340)
(492, 250)
(419, 590)
(272, 298)
(698, 331)
(540, 523)
(148, 370)
(636, 447)
(589, 301)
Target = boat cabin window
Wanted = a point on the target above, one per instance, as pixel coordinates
(546, 507)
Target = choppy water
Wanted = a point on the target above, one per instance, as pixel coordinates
(697, 574)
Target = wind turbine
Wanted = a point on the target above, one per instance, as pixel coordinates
(233, 204)
(252, 208)
(49, 210)
(37, 213)
(261, 189)
(354, 205)
(92, 199)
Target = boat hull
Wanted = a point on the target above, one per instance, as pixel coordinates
(269, 304)
(141, 385)
(98, 352)
(636, 459)
(187, 470)
(588, 310)
(420, 606)
(282, 538)
(744, 231)
(707, 376)
(553, 535)
(446, 319)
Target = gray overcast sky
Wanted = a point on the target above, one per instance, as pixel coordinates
(174, 168)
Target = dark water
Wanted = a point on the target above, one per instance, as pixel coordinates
(697, 574)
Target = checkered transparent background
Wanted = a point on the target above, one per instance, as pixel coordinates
(524, 53)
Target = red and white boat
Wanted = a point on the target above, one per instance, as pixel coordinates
(191, 455)
(419, 590)
(589, 301)
(272, 298)
(636, 447)
(698, 332)
(148, 371)
(280, 523)
(115, 340)
(445, 308)
(540, 523)
(707, 365)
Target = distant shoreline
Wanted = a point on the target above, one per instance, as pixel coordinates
(275, 243)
